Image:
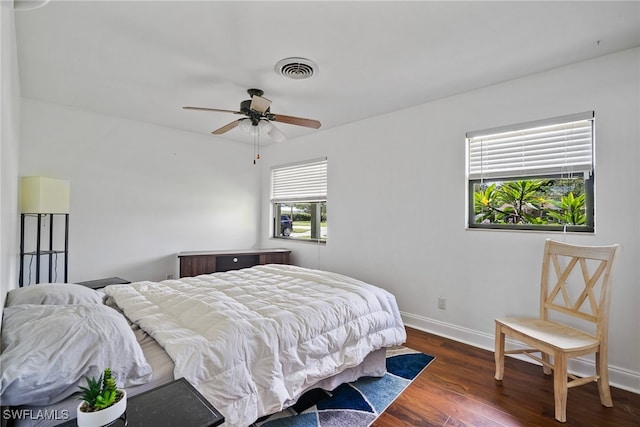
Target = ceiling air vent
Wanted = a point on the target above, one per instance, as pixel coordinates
(297, 68)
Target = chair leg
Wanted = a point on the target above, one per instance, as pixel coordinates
(560, 386)
(545, 368)
(499, 352)
(602, 370)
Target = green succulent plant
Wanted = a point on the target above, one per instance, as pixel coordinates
(100, 393)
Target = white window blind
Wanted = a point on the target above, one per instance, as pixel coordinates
(300, 182)
(555, 146)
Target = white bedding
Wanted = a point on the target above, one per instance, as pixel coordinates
(252, 340)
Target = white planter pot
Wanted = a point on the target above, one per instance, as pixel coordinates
(104, 416)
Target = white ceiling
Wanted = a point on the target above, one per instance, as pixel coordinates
(144, 60)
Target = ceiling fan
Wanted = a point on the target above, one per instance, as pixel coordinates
(258, 114)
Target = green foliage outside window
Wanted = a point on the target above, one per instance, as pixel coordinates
(531, 202)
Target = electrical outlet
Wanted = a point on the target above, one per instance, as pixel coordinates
(442, 303)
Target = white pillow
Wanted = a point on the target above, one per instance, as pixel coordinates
(47, 350)
(53, 294)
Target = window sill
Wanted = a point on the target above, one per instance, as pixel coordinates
(293, 239)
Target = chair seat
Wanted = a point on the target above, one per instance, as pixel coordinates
(553, 334)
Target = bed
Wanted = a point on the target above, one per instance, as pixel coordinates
(251, 341)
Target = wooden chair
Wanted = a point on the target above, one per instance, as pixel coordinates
(581, 304)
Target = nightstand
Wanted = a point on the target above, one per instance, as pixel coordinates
(177, 403)
(101, 283)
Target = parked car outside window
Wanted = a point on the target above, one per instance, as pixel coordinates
(286, 225)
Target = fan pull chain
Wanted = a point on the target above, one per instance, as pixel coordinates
(256, 145)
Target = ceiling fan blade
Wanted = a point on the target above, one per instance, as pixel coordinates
(227, 127)
(298, 121)
(212, 109)
(260, 104)
(276, 135)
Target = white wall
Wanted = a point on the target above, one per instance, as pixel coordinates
(140, 193)
(9, 138)
(396, 204)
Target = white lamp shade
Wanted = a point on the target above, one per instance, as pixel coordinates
(29, 4)
(39, 194)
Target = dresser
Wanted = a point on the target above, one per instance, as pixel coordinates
(204, 262)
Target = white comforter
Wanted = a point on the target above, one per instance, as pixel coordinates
(252, 340)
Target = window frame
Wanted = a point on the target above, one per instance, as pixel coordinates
(589, 227)
(313, 175)
(555, 172)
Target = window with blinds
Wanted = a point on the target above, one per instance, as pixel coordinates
(299, 200)
(536, 175)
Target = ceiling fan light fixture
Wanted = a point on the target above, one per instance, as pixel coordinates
(297, 68)
(259, 118)
(264, 126)
(246, 125)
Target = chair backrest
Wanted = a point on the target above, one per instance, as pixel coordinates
(576, 281)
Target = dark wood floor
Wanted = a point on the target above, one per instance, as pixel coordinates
(458, 389)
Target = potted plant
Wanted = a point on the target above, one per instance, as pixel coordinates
(102, 402)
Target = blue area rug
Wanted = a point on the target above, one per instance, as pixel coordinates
(359, 403)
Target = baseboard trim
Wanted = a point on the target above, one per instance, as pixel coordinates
(618, 377)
